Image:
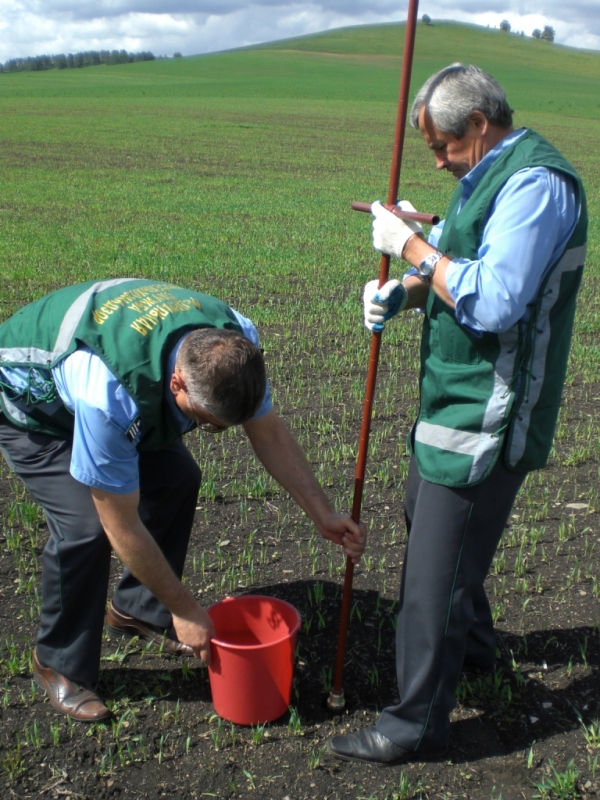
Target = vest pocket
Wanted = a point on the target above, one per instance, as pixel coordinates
(453, 342)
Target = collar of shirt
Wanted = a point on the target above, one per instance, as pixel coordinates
(471, 179)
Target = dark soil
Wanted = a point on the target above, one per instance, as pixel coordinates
(539, 709)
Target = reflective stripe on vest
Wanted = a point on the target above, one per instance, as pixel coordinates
(65, 334)
(571, 261)
(14, 411)
(73, 316)
(480, 446)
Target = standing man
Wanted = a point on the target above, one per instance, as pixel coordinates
(98, 383)
(497, 283)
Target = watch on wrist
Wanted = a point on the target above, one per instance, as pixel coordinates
(428, 265)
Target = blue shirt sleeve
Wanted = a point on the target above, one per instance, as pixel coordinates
(531, 221)
(102, 455)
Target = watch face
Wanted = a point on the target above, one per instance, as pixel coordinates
(428, 264)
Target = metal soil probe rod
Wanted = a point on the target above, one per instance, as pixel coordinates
(336, 699)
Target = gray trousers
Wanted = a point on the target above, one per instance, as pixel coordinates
(76, 559)
(444, 617)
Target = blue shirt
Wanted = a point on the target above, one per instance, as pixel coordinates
(530, 223)
(102, 455)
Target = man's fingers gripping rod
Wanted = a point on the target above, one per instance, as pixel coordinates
(416, 216)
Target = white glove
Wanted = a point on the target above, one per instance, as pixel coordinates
(382, 304)
(390, 233)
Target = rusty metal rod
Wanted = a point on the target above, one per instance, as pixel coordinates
(336, 699)
(416, 216)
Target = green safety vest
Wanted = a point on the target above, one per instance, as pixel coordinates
(480, 393)
(132, 325)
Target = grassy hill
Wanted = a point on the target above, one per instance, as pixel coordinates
(447, 36)
(150, 168)
(551, 70)
(362, 64)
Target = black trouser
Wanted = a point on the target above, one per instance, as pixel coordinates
(76, 559)
(444, 616)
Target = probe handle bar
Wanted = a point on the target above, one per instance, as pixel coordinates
(428, 219)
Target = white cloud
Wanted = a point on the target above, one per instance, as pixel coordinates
(576, 24)
(33, 27)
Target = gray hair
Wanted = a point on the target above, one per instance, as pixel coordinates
(224, 373)
(452, 94)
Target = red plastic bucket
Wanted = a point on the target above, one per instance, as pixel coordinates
(252, 658)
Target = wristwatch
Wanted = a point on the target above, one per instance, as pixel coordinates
(428, 265)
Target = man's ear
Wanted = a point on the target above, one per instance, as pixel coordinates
(479, 121)
(177, 383)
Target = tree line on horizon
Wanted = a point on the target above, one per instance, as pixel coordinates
(91, 58)
(547, 34)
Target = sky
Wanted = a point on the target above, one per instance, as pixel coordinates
(190, 27)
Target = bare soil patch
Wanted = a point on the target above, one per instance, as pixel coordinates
(540, 708)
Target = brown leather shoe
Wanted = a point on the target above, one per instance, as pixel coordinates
(68, 697)
(122, 625)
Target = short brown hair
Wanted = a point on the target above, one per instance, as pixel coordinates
(224, 372)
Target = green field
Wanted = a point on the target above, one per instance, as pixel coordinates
(244, 163)
(233, 173)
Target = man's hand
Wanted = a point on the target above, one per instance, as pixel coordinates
(390, 233)
(284, 459)
(136, 548)
(196, 629)
(342, 530)
(382, 304)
